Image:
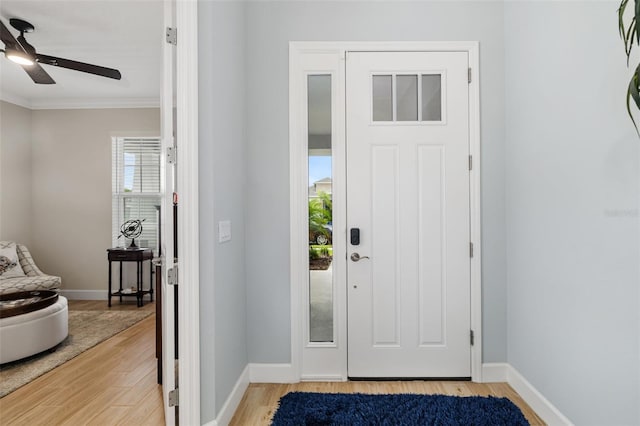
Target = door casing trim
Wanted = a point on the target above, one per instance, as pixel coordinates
(298, 191)
(188, 219)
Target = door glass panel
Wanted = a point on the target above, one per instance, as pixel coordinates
(431, 97)
(407, 98)
(382, 98)
(320, 209)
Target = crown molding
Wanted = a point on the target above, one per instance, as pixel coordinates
(96, 103)
(15, 100)
(75, 103)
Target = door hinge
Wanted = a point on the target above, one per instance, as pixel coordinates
(470, 249)
(469, 74)
(172, 275)
(470, 162)
(172, 36)
(471, 337)
(174, 398)
(172, 155)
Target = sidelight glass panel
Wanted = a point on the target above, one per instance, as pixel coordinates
(320, 209)
(382, 98)
(407, 98)
(431, 97)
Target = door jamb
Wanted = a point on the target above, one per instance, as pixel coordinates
(167, 104)
(298, 191)
(186, 20)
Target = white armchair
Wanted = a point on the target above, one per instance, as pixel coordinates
(34, 278)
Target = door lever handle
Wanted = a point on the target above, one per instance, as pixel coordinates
(356, 257)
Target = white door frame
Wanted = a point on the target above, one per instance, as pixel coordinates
(188, 234)
(298, 151)
(167, 104)
(187, 177)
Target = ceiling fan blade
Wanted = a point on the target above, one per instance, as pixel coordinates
(35, 71)
(78, 66)
(31, 51)
(38, 74)
(7, 38)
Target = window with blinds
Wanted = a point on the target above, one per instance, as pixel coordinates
(136, 188)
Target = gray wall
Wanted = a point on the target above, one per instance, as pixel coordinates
(222, 197)
(56, 185)
(270, 26)
(15, 174)
(559, 182)
(71, 177)
(572, 210)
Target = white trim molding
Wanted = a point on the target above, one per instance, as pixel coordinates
(503, 372)
(81, 103)
(188, 242)
(475, 209)
(494, 372)
(98, 103)
(316, 359)
(322, 378)
(541, 405)
(72, 294)
(273, 373)
(306, 58)
(233, 400)
(15, 100)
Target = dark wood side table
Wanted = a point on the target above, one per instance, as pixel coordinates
(138, 255)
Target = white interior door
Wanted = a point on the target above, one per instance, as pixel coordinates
(408, 194)
(168, 181)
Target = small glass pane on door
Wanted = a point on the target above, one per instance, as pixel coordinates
(407, 98)
(382, 98)
(431, 97)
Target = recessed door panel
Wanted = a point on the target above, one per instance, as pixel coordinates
(384, 213)
(431, 243)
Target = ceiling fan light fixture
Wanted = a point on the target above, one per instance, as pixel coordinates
(19, 57)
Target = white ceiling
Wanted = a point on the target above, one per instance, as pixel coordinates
(126, 35)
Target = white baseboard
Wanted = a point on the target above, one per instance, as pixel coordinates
(493, 372)
(541, 405)
(503, 372)
(231, 404)
(322, 378)
(84, 294)
(272, 373)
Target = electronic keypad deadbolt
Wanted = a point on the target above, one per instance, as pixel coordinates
(355, 236)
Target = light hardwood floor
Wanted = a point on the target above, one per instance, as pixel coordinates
(111, 383)
(260, 400)
(114, 383)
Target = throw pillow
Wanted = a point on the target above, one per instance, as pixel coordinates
(6, 264)
(8, 250)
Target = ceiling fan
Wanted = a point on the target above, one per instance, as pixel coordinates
(21, 52)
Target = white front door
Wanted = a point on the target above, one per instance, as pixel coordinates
(407, 143)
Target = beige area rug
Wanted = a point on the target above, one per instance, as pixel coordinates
(86, 329)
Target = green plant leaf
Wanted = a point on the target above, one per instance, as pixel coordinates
(637, 16)
(635, 91)
(632, 92)
(621, 27)
(628, 40)
(630, 114)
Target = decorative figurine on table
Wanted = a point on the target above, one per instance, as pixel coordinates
(131, 229)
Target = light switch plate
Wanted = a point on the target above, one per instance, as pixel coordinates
(224, 231)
